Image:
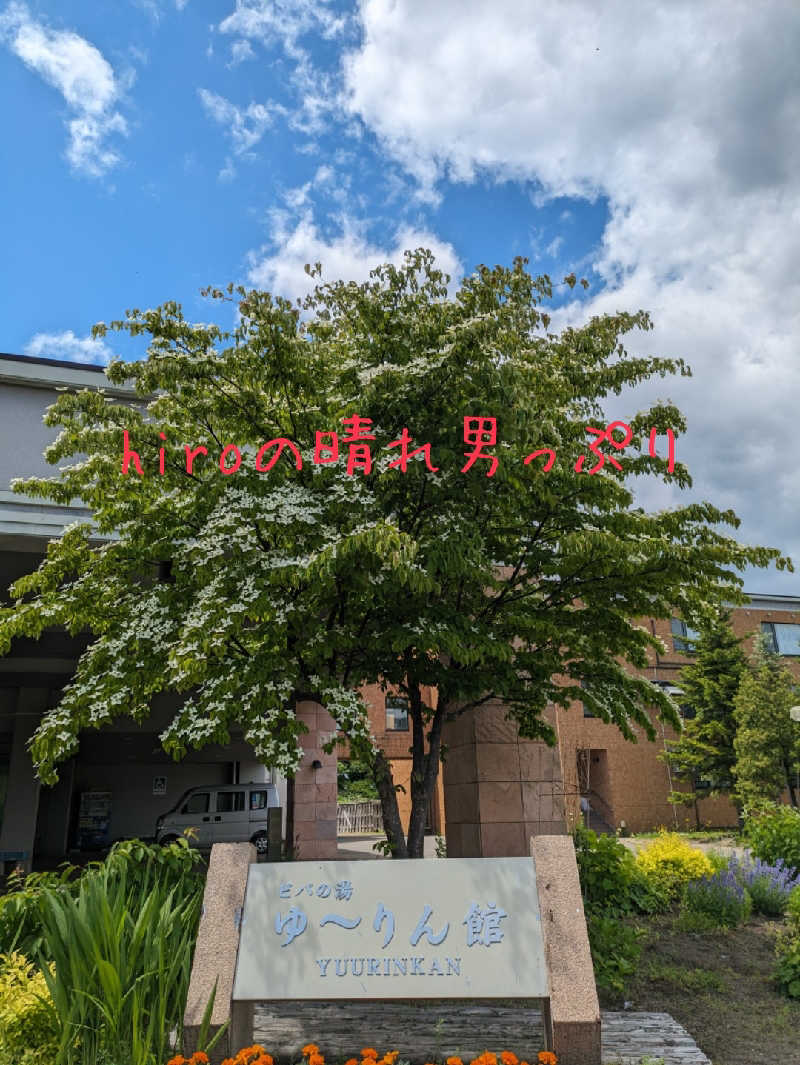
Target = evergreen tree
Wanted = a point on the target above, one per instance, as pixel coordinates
(704, 750)
(767, 742)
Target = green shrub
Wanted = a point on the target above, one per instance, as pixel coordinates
(787, 967)
(606, 869)
(20, 929)
(648, 895)
(611, 883)
(122, 946)
(769, 885)
(773, 833)
(28, 1023)
(20, 908)
(719, 861)
(615, 951)
(121, 934)
(793, 909)
(669, 863)
(720, 898)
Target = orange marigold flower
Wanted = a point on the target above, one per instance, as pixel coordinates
(199, 1058)
(391, 1056)
(351, 1061)
(179, 1059)
(369, 1052)
(508, 1058)
(316, 1059)
(547, 1057)
(454, 1061)
(310, 1048)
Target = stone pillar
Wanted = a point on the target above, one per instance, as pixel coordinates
(499, 789)
(214, 961)
(572, 1013)
(22, 796)
(315, 789)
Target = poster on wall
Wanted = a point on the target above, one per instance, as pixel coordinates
(159, 785)
(94, 820)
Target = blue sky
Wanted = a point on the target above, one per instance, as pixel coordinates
(154, 147)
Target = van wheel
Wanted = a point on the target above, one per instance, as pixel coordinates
(165, 840)
(261, 843)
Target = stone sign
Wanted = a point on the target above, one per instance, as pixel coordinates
(454, 928)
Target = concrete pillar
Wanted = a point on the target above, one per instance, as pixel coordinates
(315, 789)
(499, 789)
(55, 806)
(22, 797)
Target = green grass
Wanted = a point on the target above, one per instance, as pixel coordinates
(683, 978)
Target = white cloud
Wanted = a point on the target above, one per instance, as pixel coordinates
(241, 51)
(684, 116)
(84, 78)
(69, 347)
(348, 255)
(228, 172)
(283, 21)
(245, 126)
(283, 24)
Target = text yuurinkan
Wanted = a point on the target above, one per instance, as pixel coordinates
(480, 433)
(390, 966)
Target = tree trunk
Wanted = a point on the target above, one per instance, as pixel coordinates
(289, 844)
(419, 805)
(424, 773)
(792, 792)
(393, 826)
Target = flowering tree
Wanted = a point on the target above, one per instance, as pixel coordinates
(486, 569)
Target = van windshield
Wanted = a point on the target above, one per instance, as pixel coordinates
(173, 809)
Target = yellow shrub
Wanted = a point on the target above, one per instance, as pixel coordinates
(669, 862)
(28, 1023)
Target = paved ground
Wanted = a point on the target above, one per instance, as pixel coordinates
(428, 1031)
(354, 848)
(727, 846)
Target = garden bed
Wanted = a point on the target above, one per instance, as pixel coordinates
(718, 985)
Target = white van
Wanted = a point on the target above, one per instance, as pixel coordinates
(221, 813)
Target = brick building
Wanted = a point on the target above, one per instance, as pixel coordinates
(630, 782)
(499, 789)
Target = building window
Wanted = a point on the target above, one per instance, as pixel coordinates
(229, 802)
(396, 713)
(683, 637)
(782, 639)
